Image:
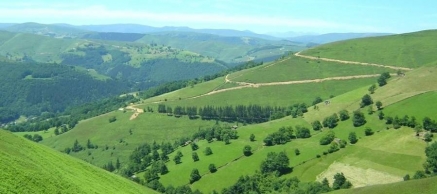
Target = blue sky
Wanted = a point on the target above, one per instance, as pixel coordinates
(319, 16)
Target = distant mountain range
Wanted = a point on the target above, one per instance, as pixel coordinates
(78, 31)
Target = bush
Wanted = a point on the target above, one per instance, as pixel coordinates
(247, 151)
(368, 131)
(328, 138)
(208, 151)
(358, 119)
(212, 168)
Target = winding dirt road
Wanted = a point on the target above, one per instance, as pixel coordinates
(242, 85)
(352, 62)
(256, 85)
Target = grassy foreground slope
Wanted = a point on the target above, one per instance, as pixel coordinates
(405, 50)
(423, 186)
(27, 167)
(422, 105)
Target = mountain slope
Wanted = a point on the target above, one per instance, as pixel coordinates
(27, 167)
(423, 186)
(333, 37)
(229, 49)
(132, 62)
(405, 50)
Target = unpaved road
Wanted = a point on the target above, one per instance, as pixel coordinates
(256, 85)
(137, 111)
(352, 62)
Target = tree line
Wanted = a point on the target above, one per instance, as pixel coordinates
(239, 113)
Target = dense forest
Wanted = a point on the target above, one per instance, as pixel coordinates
(33, 88)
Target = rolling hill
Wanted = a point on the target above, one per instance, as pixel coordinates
(385, 156)
(425, 186)
(229, 49)
(133, 62)
(404, 50)
(27, 167)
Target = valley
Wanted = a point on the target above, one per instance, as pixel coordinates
(361, 107)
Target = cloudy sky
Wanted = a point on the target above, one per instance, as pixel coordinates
(319, 16)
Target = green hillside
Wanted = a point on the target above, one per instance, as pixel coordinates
(228, 49)
(133, 62)
(423, 186)
(383, 155)
(27, 167)
(404, 50)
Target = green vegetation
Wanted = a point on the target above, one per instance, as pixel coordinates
(425, 186)
(296, 68)
(228, 49)
(44, 170)
(402, 50)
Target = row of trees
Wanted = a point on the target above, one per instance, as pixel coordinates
(239, 113)
(285, 134)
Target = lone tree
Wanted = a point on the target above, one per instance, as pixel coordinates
(344, 115)
(177, 159)
(212, 168)
(247, 151)
(368, 131)
(194, 146)
(372, 88)
(194, 176)
(195, 157)
(353, 137)
(366, 100)
(378, 105)
(382, 80)
(358, 119)
(275, 163)
(340, 182)
(297, 152)
(316, 125)
(252, 137)
(208, 151)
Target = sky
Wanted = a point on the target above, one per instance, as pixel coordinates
(261, 16)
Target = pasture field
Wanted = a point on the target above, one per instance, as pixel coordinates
(297, 68)
(403, 50)
(147, 127)
(423, 186)
(27, 167)
(420, 106)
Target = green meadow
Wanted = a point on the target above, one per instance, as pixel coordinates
(404, 50)
(28, 167)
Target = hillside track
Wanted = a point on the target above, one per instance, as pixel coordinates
(256, 85)
(351, 62)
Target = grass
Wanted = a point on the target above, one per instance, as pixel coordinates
(279, 95)
(421, 106)
(424, 186)
(28, 167)
(147, 127)
(296, 68)
(404, 50)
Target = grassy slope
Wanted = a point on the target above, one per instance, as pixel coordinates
(405, 50)
(296, 68)
(420, 106)
(280, 95)
(147, 127)
(423, 186)
(27, 167)
(393, 152)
